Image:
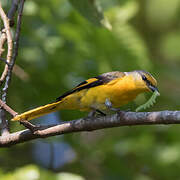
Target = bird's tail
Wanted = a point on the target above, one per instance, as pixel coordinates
(37, 112)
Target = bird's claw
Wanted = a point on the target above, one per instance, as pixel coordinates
(108, 104)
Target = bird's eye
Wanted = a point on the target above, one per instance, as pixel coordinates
(144, 78)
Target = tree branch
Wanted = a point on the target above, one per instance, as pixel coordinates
(4, 60)
(2, 41)
(7, 108)
(90, 124)
(15, 50)
(11, 56)
(9, 41)
(12, 11)
(5, 37)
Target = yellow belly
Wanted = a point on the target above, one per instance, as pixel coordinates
(118, 92)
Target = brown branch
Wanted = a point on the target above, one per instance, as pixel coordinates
(4, 60)
(2, 41)
(11, 57)
(12, 11)
(9, 42)
(7, 108)
(8, 38)
(90, 124)
(15, 50)
(10, 15)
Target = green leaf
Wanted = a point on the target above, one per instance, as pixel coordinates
(92, 11)
(69, 176)
(127, 35)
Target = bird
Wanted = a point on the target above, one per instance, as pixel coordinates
(106, 92)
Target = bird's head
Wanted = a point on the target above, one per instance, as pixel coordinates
(144, 80)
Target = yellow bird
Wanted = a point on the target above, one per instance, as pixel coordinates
(105, 92)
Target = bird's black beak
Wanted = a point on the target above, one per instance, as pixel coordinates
(153, 88)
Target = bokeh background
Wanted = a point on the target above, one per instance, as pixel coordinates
(65, 42)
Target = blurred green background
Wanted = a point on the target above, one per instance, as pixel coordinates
(65, 42)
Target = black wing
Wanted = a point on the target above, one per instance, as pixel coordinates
(93, 82)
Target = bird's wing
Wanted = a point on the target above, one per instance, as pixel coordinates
(92, 82)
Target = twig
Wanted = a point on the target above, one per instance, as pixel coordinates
(2, 41)
(4, 60)
(17, 34)
(10, 15)
(90, 124)
(4, 123)
(7, 108)
(9, 42)
(12, 11)
(8, 37)
(15, 52)
(34, 128)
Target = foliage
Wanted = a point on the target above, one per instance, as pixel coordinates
(32, 172)
(60, 46)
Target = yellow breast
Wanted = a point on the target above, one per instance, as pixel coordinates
(119, 91)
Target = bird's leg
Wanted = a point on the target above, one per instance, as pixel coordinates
(91, 114)
(94, 112)
(108, 104)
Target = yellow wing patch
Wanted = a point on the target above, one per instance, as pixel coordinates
(85, 83)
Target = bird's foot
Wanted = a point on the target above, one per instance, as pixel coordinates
(94, 113)
(108, 104)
